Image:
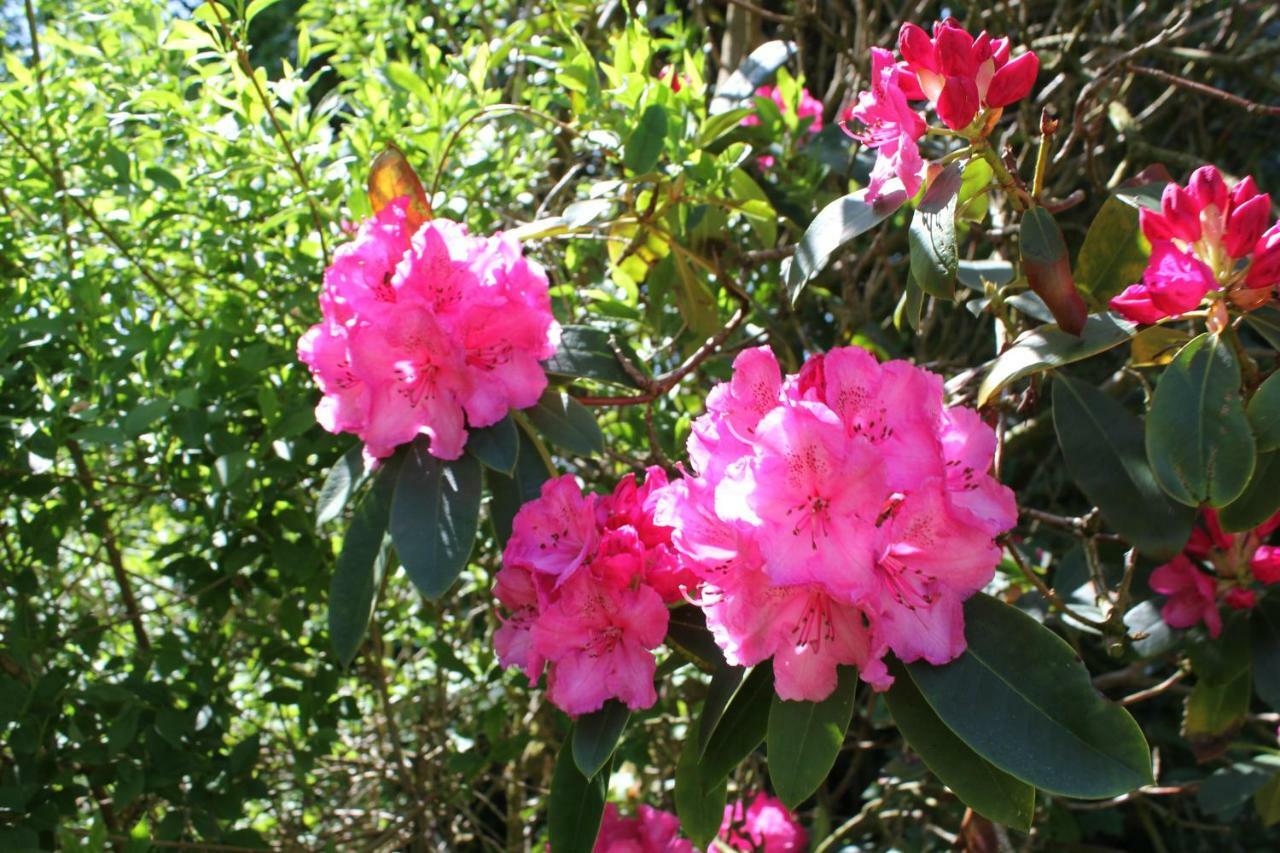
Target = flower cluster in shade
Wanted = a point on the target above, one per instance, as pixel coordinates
(807, 107)
(966, 81)
(1216, 566)
(585, 581)
(427, 330)
(1206, 239)
(762, 826)
(835, 515)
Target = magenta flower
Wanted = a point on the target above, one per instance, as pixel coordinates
(1206, 238)
(765, 826)
(650, 831)
(806, 107)
(835, 515)
(427, 332)
(890, 126)
(1192, 595)
(585, 582)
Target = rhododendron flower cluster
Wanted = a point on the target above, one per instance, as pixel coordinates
(764, 825)
(427, 331)
(1206, 238)
(1236, 561)
(650, 831)
(967, 81)
(585, 580)
(807, 107)
(835, 515)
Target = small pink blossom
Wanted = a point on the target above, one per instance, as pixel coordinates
(765, 825)
(835, 515)
(1192, 595)
(807, 107)
(1205, 239)
(585, 583)
(890, 127)
(650, 831)
(427, 332)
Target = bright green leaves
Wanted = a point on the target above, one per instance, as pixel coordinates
(1197, 436)
(1049, 346)
(595, 736)
(646, 142)
(1047, 266)
(833, 227)
(360, 567)
(434, 517)
(1114, 254)
(567, 423)
(982, 786)
(804, 739)
(932, 237)
(1020, 698)
(575, 804)
(1105, 455)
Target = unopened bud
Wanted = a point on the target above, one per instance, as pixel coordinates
(1218, 317)
(1048, 122)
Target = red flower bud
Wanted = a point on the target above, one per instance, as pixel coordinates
(1014, 80)
(1245, 225)
(958, 103)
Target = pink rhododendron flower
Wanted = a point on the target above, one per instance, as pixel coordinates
(1216, 564)
(764, 825)
(835, 515)
(967, 81)
(807, 107)
(650, 831)
(427, 332)
(1205, 239)
(585, 582)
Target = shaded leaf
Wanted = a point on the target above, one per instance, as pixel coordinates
(575, 805)
(595, 736)
(342, 481)
(1048, 269)
(646, 142)
(567, 423)
(360, 566)
(741, 728)
(434, 517)
(585, 353)
(700, 801)
(804, 739)
(1264, 413)
(496, 446)
(508, 494)
(1264, 631)
(1260, 499)
(1114, 254)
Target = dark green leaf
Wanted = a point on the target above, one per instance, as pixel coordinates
(725, 683)
(567, 423)
(1260, 499)
(1103, 447)
(1215, 709)
(340, 483)
(1114, 254)
(741, 728)
(1231, 787)
(1198, 438)
(585, 352)
(1264, 413)
(1021, 699)
(687, 632)
(1266, 801)
(983, 787)
(1048, 346)
(804, 739)
(907, 314)
(932, 238)
(1266, 322)
(434, 517)
(360, 566)
(700, 801)
(508, 494)
(575, 805)
(595, 736)
(646, 142)
(833, 227)
(1265, 645)
(496, 446)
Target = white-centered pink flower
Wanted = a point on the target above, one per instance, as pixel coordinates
(427, 331)
(836, 515)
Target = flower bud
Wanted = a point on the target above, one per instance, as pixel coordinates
(1013, 81)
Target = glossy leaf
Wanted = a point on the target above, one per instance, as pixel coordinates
(1259, 501)
(1047, 266)
(390, 177)
(1198, 439)
(1103, 447)
(575, 805)
(1048, 346)
(434, 517)
(1230, 787)
(700, 801)
(1114, 254)
(834, 226)
(981, 785)
(508, 494)
(342, 481)
(804, 739)
(723, 687)
(585, 352)
(1266, 322)
(756, 70)
(1020, 698)
(1264, 413)
(646, 142)
(1264, 631)
(567, 423)
(496, 446)
(740, 728)
(595, 736)
(360, 567)
(931, 238)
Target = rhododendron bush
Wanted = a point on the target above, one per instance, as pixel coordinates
(641, 427)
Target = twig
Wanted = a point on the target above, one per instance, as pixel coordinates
(1249, 106)
(1154, 690)
(1050, 596)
